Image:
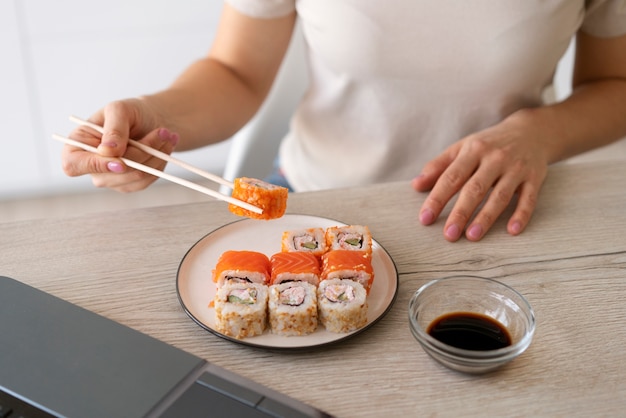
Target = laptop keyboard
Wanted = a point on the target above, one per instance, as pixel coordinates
(12, 407)
(211, 395)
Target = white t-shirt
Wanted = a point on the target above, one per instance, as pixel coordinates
(394, 82)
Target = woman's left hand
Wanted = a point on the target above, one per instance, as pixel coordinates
(487, 169)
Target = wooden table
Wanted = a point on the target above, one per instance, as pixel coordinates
(570, 263)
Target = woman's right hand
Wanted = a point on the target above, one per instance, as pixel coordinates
(121, 120)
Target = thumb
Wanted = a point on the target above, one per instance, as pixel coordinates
(116, 131)
(113, 144)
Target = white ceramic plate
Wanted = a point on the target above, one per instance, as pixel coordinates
(196, 289)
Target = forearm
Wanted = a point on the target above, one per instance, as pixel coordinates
(593, 116)
(217, 95)
(206, 104)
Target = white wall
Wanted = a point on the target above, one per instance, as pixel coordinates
(65, 57)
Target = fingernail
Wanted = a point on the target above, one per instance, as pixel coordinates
(516, 227)
(453, 232)
(475, 232)
(416, 180)
(115, 167)
(164, 134)
(108, 144)
(427, 217)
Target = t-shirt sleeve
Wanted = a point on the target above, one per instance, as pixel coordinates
(263, 8)
(605, 18)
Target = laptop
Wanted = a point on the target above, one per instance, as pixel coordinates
(60, 360)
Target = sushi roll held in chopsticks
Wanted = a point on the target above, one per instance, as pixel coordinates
(241, 309)
(269, 197)
(292, 308)
(342, 305)
(242, 266)
(295, 266)
(347, 264)
(309, 240)
(349, 237)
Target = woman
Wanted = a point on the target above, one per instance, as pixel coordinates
(450, 92)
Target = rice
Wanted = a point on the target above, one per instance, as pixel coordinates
(293, 308)
(241, 309)
(342, 305)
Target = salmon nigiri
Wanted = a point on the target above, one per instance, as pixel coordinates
(242, 266)
(348, 264)
(294, 266)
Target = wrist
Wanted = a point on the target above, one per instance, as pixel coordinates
(541, 125)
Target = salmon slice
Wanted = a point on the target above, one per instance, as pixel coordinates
(348, 264)
(296, 266)
(249, 266)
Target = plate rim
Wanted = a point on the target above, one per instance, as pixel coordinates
(244, 341)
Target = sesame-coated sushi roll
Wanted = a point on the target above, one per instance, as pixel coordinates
(350, 237)
(269, 197)
(346, 264)
(241, 309)
(293, 308)
(342, 305)
(296, 266)
(311, 240)
(242, 266)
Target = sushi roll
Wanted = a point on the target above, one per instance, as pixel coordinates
(241, 309)
(311, 240)
(296, 266)
(349, 237)
(347, 264)
(269, 197)
(242, 266)
(342, 305)
(293, 308)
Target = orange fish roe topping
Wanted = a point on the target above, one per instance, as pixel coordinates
(270, 198)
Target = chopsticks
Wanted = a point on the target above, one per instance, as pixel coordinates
(156, 153)
(161, 174)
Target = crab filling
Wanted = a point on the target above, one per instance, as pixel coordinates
(339, 293)
(292, 296)
(305, 241)
(350, 240)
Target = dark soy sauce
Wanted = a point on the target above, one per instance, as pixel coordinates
(470, 331)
